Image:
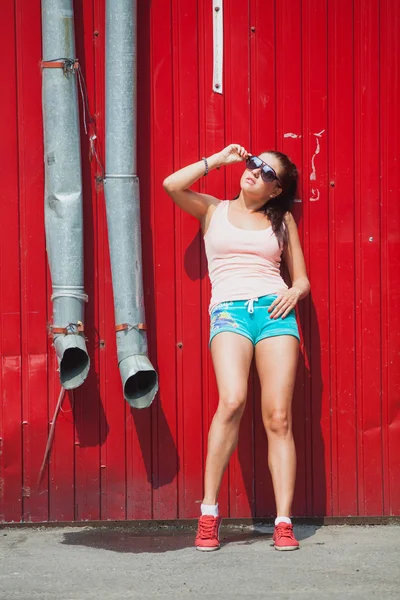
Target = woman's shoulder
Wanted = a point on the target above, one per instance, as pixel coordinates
(217, 204)
(211, 211)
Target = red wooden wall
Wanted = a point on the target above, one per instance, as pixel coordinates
(317, 79)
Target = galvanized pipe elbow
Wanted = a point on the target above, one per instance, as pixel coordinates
(121, 186)
(63, 191)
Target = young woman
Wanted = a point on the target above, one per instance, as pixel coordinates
(252, 312)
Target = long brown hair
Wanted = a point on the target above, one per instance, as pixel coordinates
(276, 208)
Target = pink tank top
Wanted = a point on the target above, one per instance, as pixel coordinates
(242, 265)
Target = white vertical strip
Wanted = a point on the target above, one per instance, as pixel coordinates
(218, 39)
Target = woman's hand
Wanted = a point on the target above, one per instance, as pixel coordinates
(284, 303)
(232, 154)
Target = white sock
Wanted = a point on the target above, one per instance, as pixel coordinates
(282, 520)
(209, 509)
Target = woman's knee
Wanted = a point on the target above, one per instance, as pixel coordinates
(232, 404)
(277, 422)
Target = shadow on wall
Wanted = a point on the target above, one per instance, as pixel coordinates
(191, 259)
(320, 506)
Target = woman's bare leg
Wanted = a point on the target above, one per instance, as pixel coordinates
(276, 360)
(232, 355)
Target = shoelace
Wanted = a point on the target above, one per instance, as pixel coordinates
(284, 530)
(207, 528)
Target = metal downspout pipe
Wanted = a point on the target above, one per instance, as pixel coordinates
(63, 192)
(139, 379)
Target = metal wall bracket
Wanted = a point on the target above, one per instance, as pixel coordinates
(218, 42)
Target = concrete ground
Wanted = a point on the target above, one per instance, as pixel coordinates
(116, 563)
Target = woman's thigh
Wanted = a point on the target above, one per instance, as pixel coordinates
(276, 362)
(232, 355)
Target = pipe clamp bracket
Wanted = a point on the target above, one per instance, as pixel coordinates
(70, 329)
(128, 327)
(68, 65)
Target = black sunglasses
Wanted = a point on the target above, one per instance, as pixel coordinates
(267, 173)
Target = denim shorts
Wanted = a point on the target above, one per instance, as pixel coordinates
(251, 319)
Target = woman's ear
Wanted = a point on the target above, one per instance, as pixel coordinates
(276, 192)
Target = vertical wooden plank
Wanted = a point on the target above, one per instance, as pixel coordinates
(341, 172)
(390, 250)
(166, 460)
(212, 139)
(86, 397)
(10, 292)
(139, 423)
(262, 75)
(316, 246)
(113, 422)
(33, 261)
(61, 462)
(289, 124)
(187, 254)
(263, 137)
(237, 123)
(368, 261)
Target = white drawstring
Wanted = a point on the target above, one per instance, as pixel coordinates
(250, 305)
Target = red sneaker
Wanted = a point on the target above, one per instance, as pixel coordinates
(284, 537)
(207, 538)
